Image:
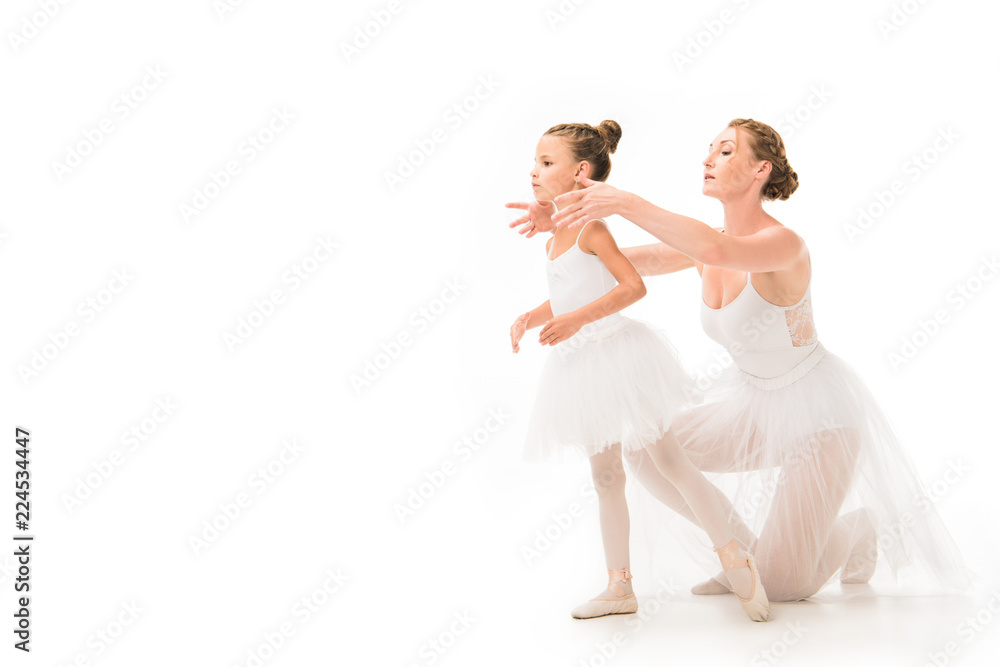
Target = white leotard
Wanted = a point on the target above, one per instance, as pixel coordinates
(577, 278)
(765, 340)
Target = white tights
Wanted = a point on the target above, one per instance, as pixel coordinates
(803, 543)
(676, 476)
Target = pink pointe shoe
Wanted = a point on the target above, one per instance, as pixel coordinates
(621, 604)
(756, 606)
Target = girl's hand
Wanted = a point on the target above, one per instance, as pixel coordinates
(538, 218)
(596, 200)
(517, 331)
(559, 328)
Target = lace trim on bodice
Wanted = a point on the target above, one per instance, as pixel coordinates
(801, 327)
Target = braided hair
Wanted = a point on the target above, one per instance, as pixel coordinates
(589, 143)
(767, 145)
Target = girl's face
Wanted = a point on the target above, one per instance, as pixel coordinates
(555, 171)
(731, 170)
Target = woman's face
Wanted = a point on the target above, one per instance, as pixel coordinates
(730, 168)
(555, 171)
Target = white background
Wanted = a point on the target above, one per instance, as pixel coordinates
(855, 101)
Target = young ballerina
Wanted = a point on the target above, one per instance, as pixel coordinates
(611, 382)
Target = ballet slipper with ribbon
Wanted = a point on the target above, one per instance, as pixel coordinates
(621, 604)
(756, 605)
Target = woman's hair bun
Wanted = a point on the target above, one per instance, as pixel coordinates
(766, 144)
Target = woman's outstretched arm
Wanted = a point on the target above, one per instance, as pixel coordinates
(773, 248)
(653, 259)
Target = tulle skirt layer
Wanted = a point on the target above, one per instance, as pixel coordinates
(808, 459)
(624, 383)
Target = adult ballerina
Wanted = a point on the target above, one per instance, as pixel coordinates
(822, 482)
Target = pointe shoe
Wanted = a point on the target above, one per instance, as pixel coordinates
(622, 604)
(756, 606)
(860, 565)
(711, 587)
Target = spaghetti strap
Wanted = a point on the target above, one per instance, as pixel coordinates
(577, 241)
(585, 226)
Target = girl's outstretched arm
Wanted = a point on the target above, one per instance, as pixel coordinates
(537, 219)
(597, 239)
(653, 259)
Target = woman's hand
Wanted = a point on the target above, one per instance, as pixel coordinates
(559, 328)
(517, 331)
(538, 218)
(596, 200)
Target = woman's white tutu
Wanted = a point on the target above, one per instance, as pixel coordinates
(623, 383)
(794, 446)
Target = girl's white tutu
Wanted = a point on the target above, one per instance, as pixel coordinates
(621, 383)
